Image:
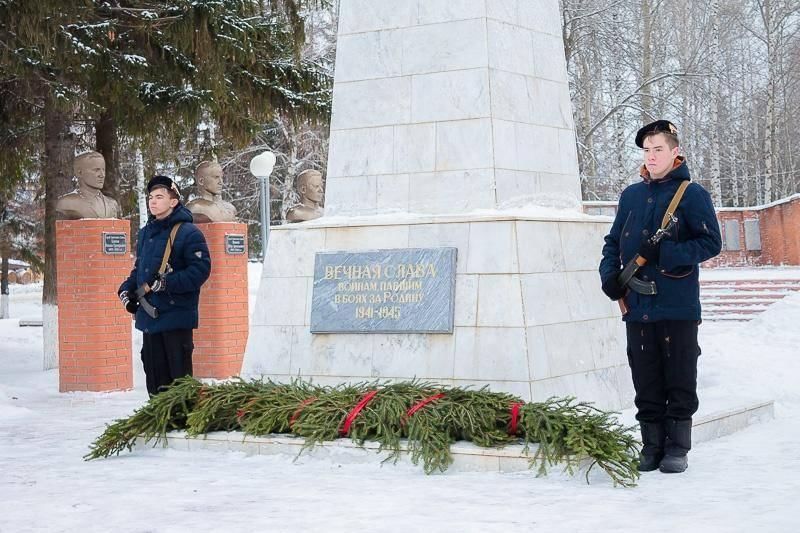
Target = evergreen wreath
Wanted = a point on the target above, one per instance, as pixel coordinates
(429, 416)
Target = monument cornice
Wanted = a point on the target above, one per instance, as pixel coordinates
(398, 219)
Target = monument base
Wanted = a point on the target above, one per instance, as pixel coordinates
(530, 317)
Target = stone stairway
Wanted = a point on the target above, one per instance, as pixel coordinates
(742, 299)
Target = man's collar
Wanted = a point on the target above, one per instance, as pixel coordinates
(645, 174)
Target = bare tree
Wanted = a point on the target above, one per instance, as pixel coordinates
(725, 72)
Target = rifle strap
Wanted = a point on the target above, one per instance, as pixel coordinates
(673, 205)
(168, 249)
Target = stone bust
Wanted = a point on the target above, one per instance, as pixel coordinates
(209, 205)
(88, 201)
(309, 187)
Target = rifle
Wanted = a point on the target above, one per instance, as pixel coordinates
(143, 303)
(627, 278)
(142, 291)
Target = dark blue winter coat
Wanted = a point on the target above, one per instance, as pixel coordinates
(641, 209)
(191, 266)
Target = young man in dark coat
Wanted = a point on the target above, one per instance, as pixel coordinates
(662, 327)
(175, 294)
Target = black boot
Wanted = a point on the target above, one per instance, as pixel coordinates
(676, 446)
(652, 446)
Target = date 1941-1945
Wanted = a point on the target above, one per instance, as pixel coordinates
(378, 312)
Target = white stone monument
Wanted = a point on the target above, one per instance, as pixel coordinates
(452, 127)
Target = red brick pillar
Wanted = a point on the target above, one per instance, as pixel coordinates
(221, 338)
(94, 330)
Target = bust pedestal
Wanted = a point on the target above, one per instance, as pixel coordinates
(221, 337)
(94, 330)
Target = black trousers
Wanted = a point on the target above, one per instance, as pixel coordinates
(663, 360)
(166, 356)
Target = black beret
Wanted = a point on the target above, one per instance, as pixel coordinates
(162, 181)
(659, 126)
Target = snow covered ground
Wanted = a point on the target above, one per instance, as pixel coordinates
(744, 482)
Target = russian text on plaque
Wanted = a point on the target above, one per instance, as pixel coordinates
(114, 243)
(408, 290)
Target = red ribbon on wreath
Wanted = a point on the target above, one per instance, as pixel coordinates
(512, 429)
(244, 410)
(299, 410)
(351, 416)
(422, 403)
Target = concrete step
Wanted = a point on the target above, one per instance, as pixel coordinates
(714, 315)
(753, 302)
(736, 310)
(742, 307)
(742, 299)
(730, 420)
(727, 317)
(741, 295)
(467, 456)
(747, 290)
(789, 282)
(716, 418)
(713, 305)
(750, 286)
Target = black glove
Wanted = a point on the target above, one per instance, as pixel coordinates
(650, 251)
(130, 301)
(613, 289)
(160, 284)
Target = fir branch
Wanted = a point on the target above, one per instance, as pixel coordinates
(164, 412)
(218, 408)
(572, 432)
(272, 409)
(323, 419)
(385, 418)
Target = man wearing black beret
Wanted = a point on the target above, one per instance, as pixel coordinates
(172, 262)
(662, 312)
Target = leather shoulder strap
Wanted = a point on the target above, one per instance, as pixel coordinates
(168, 249)
(673, 205)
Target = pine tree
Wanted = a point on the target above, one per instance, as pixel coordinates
(174, 65)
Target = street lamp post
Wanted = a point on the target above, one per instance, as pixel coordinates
(261, 167)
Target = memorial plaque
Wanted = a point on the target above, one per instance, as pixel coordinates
(752, 234)
(409, 290)
(731, 235)
(114, 243)
(234, 244)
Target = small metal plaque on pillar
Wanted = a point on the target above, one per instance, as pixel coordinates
(234, 244)
(409, 290)
(114, 243)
